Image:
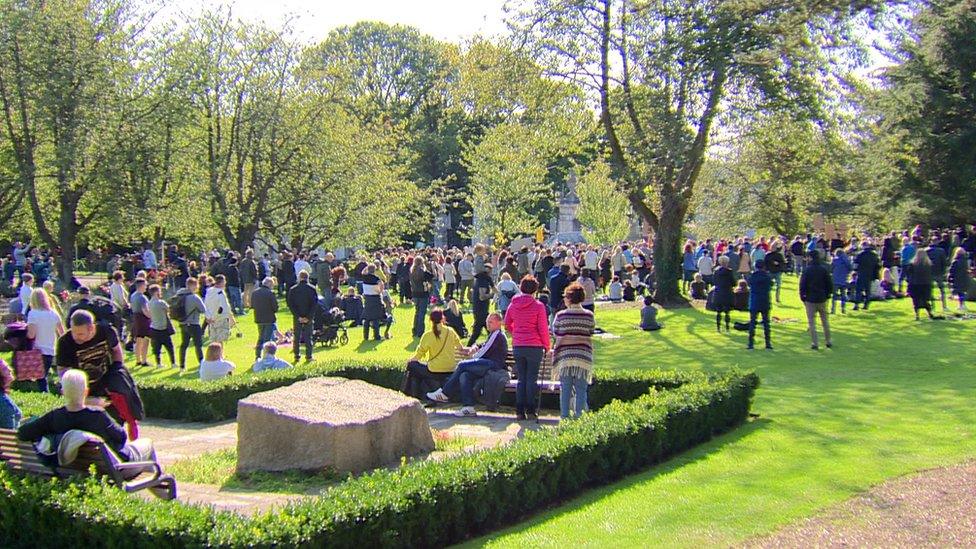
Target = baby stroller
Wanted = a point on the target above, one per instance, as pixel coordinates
(327, 328)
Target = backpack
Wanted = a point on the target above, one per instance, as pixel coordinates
(177, 306)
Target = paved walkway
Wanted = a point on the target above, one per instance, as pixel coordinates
(934, 508)
(175, 441)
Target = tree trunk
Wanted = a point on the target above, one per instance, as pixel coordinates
(667, 252)
(67, 237)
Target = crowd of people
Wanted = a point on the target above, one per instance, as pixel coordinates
(533, 303)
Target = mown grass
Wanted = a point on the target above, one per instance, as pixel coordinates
(219, 468)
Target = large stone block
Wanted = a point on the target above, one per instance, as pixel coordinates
(348, 425)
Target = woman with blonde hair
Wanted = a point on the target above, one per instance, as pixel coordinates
(919, 274)
(44, 326)
(959, 277)
(213, 365)
(53, 298)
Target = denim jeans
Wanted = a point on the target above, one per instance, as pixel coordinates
(236, 299)
(840, 293)
(778, 282)
(265, 334)
(570, 389)
(420, 303)
(527, 362)
(10, 414)
(753, 315)
(303, 334)
(48, 363)
(188, 333)
(467, 373)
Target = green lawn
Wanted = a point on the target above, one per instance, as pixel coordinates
(893, 396)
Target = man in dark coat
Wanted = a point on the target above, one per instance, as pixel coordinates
(264, 303)
(866, 264)
(816, 287)
(940, 265)
(302, 300)
(249, 276)
(373, 309)
(760, 283)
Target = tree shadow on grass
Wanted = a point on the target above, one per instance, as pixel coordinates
(594, 496)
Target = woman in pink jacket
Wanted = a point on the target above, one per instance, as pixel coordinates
(528, 322)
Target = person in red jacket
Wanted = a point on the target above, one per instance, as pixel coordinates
(528, 322)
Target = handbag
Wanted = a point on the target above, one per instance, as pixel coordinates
(29, 365)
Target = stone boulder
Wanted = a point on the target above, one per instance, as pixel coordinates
(347, 425)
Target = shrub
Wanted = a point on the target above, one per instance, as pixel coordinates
(425, 503)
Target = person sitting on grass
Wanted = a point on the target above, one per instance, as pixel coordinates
(75, 415)
(649, 321)
(630, 293)
(698, 287)
(740, 296)
(616, 290)
(214, 366)
(269, 360)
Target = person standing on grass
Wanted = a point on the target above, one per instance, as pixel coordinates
(249, 276)
(866, 265)
(775, 265)
(264, 303)
(421, 281)
(841, 268)
(44, 326)
(528, 322)
(919, 275)
(816, 287)
(302, 300)
(760, 284)
(722, 294)
(140, 322)
(190, 328)
(481, 296)
(940, 264)
(573, 353)
(160, 329)
(959, 277)
(374, 312)
(220, 317)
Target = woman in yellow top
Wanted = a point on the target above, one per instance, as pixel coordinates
(435, 358)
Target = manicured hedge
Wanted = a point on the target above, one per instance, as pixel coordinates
(428, 503)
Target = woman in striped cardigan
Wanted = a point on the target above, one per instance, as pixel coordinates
(573, 355)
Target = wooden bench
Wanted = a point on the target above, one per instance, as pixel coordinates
(20, 457)
(544, 381)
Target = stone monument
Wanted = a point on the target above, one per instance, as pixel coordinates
(566, 226)
(346, 425)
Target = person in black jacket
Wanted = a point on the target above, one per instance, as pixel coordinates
(373, 309)
(816, 287)
(249, 276)
(264, 303)
(302, 300)
(286, 272)
(775, 265)
(940, 265)
(232, 274)
(866, 264)
(722, 294)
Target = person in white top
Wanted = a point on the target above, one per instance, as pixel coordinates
(220, 317)
(26, 289)
(44, 326)
(214, 366)
(591, 259)
(706, 269)
(149, 259)
(302, 265)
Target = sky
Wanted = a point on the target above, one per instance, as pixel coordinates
(450, 20)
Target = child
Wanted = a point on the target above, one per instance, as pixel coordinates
(888, 288)
(455, 318)
(649, 321)
(616, 290)
(630, 294)
(740, 296)
(388, 307)
(214, 366)
(698, 287)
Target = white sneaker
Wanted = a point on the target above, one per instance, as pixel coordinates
(466, 411)
(437, 396)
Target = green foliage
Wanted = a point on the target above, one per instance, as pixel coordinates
(446, 442)
(603, 210)
(220, 468)
(929, 101)
(430, 503)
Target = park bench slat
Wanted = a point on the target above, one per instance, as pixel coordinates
(21, 458)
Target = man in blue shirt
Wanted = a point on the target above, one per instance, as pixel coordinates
(760, 282)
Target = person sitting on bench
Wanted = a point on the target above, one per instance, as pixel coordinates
(75, 415)
(490, 356)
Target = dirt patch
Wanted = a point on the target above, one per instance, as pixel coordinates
(934, 508)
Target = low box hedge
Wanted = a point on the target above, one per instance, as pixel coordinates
(424, 503)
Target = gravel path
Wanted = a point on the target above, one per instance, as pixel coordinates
(934, 508)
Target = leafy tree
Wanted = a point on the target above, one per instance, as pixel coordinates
(662, 72)
(60, 64)
(930, 99)
(508, 177)
(604, 212)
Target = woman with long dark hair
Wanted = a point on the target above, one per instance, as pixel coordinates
(434, 359)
